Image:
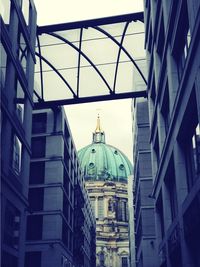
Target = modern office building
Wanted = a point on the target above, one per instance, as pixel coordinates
(106, 170)
(144, 212)
(18, 34)
(173, 53)
(54, 210)
(61, 224)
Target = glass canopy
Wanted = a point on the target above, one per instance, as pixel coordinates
(92, 60)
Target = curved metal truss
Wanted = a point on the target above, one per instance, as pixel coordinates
(58, 34)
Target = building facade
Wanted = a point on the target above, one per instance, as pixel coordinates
(144, 212)
(61, 224)
(18, 34)
(106, 170)
(173, 49)
(131, 222)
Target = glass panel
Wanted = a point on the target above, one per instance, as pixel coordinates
(55, 88)
(125, 77)
(91, 83)
(5, 10)
(3, 57)
(116, 29)
(102, 52)
(34, 227)
(11, 226)
(23, 52)
(17, 154)
(101, 49)
(39, 123)
(70, 35)
(68, 58)
(20, 102)
(38, 146)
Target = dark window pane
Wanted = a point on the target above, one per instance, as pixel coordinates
(34, 227)
(11, 226)
(39, 123)
(8, 260)
(37, 171)
(38, 147)
(65, 234)
(124, 262)
(16, 154)
(36, 197)
(33, 259)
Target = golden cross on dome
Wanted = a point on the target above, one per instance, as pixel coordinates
(98, 128)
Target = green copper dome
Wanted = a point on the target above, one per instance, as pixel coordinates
(100, 161)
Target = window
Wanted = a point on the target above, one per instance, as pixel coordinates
(65, 234)
(38, 146)
(165, 110)
(124, 211)
(8, 260)
(34, 227)
(33, 259)
(20, 97)
(100, 208)
(119, 210)
(65, 207)
(110, 205)
(37, 172)
(36, 198)
(11, 226)
(161, 37)
(101, 258)
(193, 157)
(22, 51)
(66, 182)
(67, 135)
(183, 40)
(39, 123)
(3, 66)
(124, 262)
(16, 154)
(159, 210)
(156, 151)
(171, 188)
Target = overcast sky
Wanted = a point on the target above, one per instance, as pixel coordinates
(60, 11)
(115, 119)
(115, 116)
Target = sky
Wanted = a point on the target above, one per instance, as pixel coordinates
(115, 121)
(115, 116)
(76, 10)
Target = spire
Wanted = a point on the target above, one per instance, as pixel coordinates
(98, 135)
(98, 128)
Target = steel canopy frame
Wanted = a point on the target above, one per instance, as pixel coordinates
(95, 24)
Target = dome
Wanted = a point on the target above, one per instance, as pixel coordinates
(100, 161)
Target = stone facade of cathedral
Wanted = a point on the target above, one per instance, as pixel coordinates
(106, 170)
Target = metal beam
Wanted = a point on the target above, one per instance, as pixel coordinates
(63, 102)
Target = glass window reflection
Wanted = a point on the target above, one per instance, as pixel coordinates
(5, 10)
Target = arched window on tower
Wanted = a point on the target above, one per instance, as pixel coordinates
(101, 259)
(100, 208)
(110, 205)
(92, 201)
